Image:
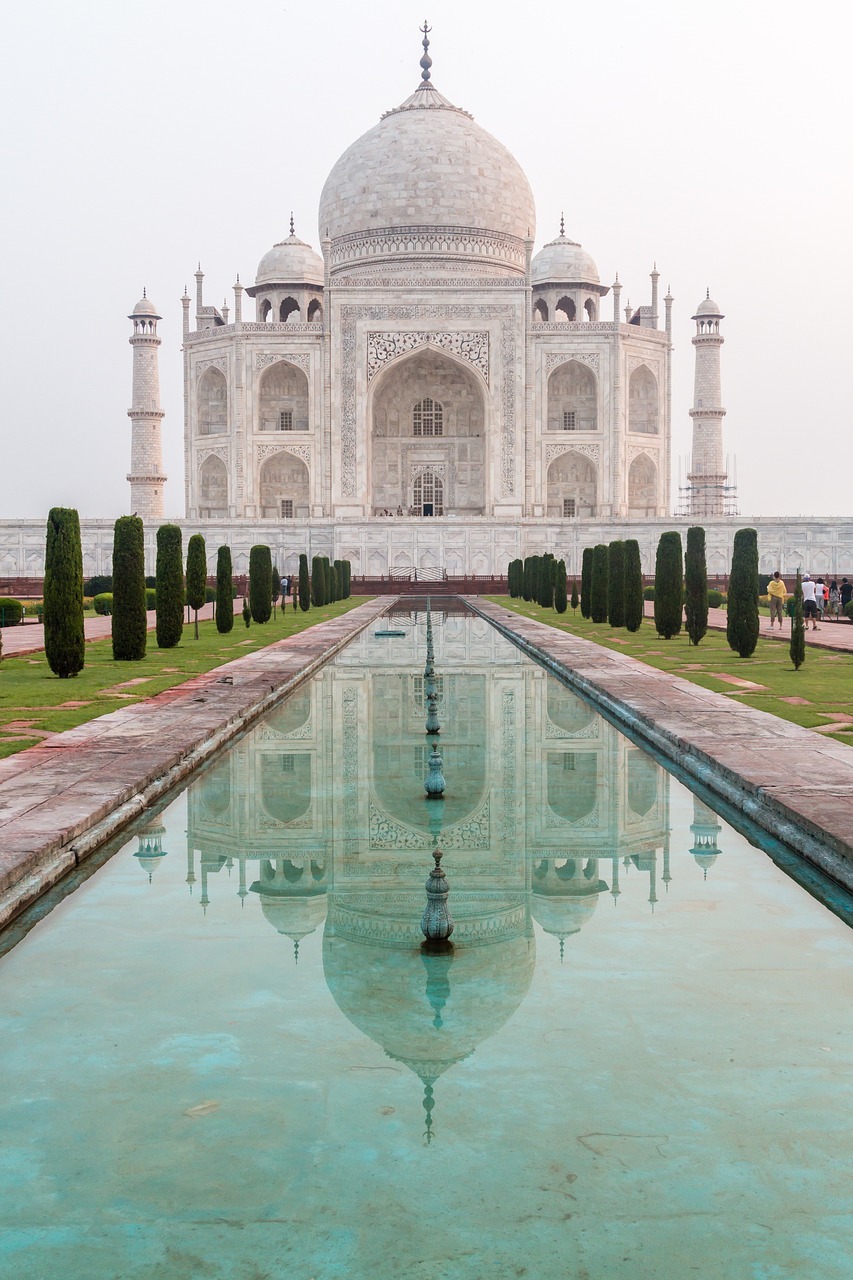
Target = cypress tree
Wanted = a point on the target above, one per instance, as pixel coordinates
(339, 579)
(276, 589)
(130, 605)
(527, 579)
(347, 574)
(247, 613)
(633, 586)
(695, 585)
(742, 608)
(798, 626)
(598, 586)
(304, 584)
(260, 583)
(669, 585)
(64, 637)
(586, 583)
(170, 587)
(334, 592)
(546, 582)
(327, 577)
(560, 585)
(616, 584)
(196, 575)
(318, 582)
(224, 592)
(575, 600)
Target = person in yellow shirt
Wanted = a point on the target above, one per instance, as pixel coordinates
(778, 594)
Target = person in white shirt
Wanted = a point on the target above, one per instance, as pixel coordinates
(809, 601)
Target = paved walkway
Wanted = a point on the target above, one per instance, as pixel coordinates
(829, 635)
(796, 785)
(61, 799)
(29, 638)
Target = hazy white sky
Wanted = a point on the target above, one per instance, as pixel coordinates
(140, 138)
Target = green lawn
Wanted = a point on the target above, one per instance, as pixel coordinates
(33, 699)
(823, 681)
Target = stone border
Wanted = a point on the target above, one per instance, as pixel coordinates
(789, 781)
(63, 799)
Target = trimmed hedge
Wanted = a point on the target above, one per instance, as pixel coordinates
(64, 638)
(129, 605)
(742, 616)
(669, 585)
(170, 586)
(260, 583)
(103, 604)
(634, 611)
(715, 598)
(11, 611)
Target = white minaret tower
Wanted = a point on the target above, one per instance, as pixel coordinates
(707, 476)
(147, 480)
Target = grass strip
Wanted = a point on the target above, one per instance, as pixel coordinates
(821, 686)
(35, 702)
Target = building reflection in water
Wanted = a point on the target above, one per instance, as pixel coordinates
(321, 809)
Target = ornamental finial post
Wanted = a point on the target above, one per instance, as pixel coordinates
(426, 60)
(562, 224)
(292, 231)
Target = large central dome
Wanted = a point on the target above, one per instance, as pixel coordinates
(427, 182)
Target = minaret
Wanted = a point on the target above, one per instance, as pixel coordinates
(147, 480)
(707, 476)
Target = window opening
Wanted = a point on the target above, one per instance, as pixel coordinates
(285, 420)
(570, 420)
(428, 418)
(428, 495)
(287, 508)
(568, 508)
(288, 764)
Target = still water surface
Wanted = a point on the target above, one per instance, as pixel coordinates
(225, 1056)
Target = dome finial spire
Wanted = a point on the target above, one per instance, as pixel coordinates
(292, 232)
(562, 224)
(426, 60)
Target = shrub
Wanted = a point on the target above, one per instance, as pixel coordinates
(715, 598)
(669, 585)
(260, 583)
(848, 610)
(196, 591)
(598, 586)
(276, 588)
(64, 639)
(129, 602)
(798, 627)
(11, 611)
(586, 583)
(633, 586)
(98, 584)
(224, 591)
(561, 587)
(247, 612)
(696, 585)
(103, 604)
(648, 593)
(318, 582)
(304, 584)
(150, 598)
(575, 600)
(742, 618)
(616, 584)
(170, 586)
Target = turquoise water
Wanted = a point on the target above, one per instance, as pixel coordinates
(225, 1056)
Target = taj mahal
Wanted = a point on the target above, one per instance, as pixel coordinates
(429, 393)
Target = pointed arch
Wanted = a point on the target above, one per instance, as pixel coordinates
(212, 403)
(572, 485)
(642, 486)
(213, 489)
(540, 311)
(283, 398)
(284, 487)
(565, 310)
(572, 398)
(572, 778)
(643, 408)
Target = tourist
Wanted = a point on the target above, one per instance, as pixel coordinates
(821, 592)
(832, 601)
(845, 593)
(778, 594)
(809, 601)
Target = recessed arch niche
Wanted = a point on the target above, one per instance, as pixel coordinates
(573, 398)
(572, 484)
(212, 403)
(284, 480)
(572, 784)
(456, 456)
(642, 486)
(283, 398)
(213, 488)
(643, 401)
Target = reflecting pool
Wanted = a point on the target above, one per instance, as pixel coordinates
(226, 1056)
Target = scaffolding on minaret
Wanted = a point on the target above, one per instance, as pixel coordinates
(704, 496)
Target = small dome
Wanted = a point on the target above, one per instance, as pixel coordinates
(145, 308)
(564, 261)
(291, 261)
(708, 307)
